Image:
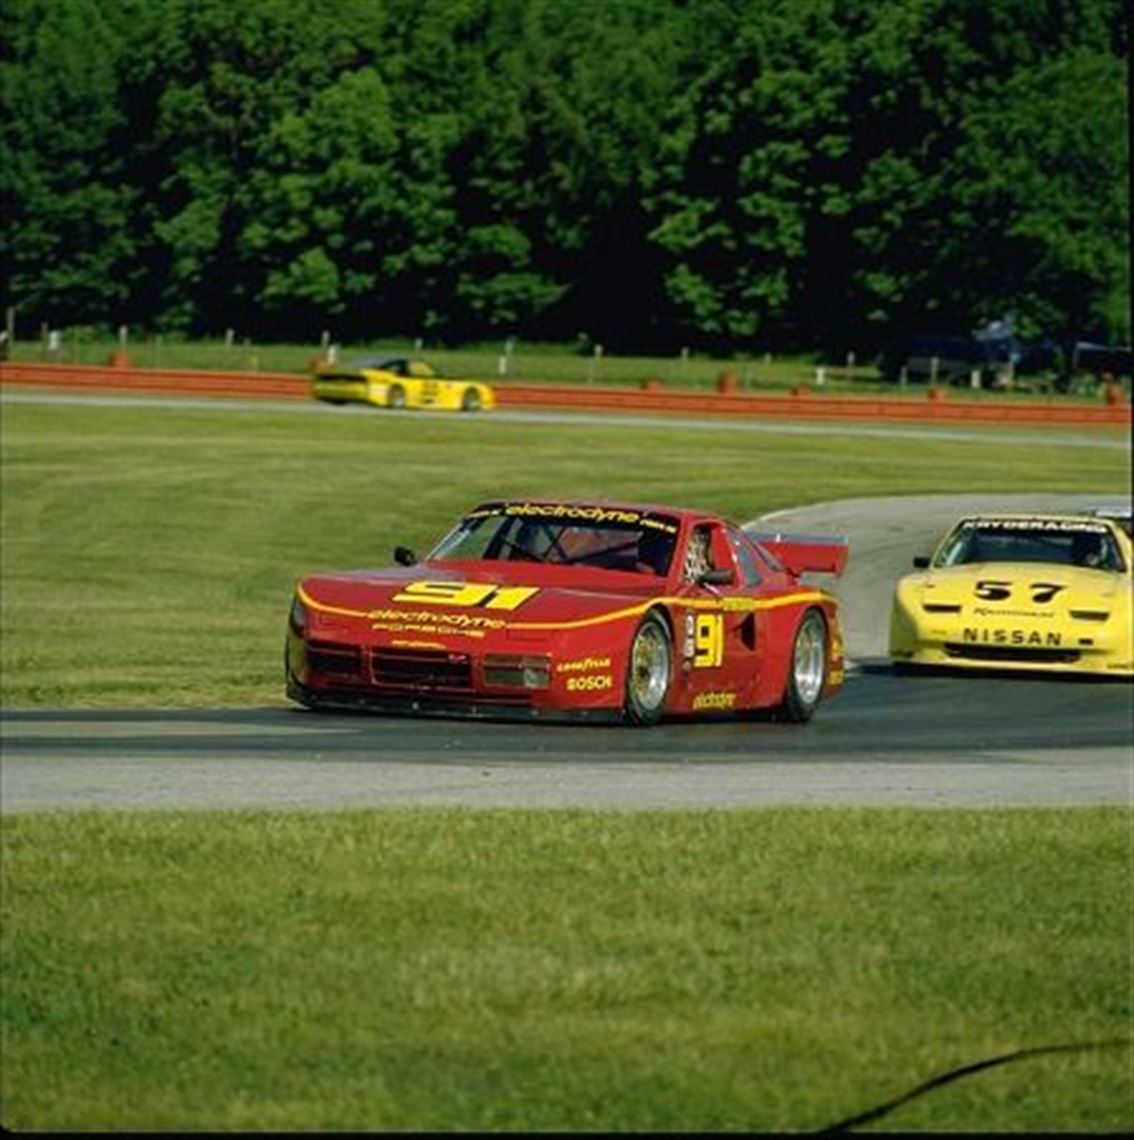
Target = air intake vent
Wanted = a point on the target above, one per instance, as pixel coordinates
(422, 669)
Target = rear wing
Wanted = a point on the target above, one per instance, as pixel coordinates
(805, 553)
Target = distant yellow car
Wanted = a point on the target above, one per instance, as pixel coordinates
(398, 382)
(1031, 592)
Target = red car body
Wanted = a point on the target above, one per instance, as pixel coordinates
(572, 609)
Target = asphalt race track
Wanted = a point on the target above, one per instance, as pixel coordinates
(939, 740)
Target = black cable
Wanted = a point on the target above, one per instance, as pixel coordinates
(881, 1110)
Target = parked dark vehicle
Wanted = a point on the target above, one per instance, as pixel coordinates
(1087, 356)
(953, 358)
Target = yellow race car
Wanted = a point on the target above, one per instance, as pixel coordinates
(398, 382)
(1034, 592)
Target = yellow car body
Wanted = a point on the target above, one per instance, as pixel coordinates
(398, 382)
(1051, 593)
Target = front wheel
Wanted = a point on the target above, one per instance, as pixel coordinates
(396, 396)
(470, 401)
(648, 671)
(807, 671)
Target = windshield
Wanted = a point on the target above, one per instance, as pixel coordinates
(609, 538)
(1062, 542)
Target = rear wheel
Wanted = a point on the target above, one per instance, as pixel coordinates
(648, 671)
(807, 670)
(470, 401)
(396, 396)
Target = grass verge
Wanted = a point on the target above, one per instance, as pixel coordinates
(574, 971)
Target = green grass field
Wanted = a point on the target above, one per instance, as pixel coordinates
(565, 971)
(418, 970)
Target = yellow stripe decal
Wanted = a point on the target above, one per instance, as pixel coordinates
(727, 604)
(724, 605)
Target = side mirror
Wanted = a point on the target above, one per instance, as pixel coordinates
(403, 556)
(921, 562)
(716, 578)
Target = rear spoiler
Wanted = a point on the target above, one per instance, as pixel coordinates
(805, 553)
(335, 372)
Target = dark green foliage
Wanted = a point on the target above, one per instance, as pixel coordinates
(650, 174)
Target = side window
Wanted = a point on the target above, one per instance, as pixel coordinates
(745, 560)
(697, 557)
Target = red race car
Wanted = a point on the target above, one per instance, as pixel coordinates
(572, 609)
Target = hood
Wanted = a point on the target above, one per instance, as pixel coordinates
(1013, 587)
(514, 593)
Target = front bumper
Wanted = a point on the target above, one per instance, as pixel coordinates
(433, 704)
(453, 682)
(922, 639)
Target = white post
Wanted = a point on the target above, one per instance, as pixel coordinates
(596, 360)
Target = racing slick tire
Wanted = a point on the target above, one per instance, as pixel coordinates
(649, 670)
(807, 670)
(396, 396)
(470, 401)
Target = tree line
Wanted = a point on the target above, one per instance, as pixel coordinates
(736, 175)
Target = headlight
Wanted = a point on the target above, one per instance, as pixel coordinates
(297, 619)
(516, 671)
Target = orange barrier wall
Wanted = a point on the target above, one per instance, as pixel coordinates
(802, 404)
(806, 405)
(163, 380)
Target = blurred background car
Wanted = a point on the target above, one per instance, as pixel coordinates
(398, 382)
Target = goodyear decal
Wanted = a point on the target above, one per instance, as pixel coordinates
(1033, 638)
(705, 701)
(583, 665)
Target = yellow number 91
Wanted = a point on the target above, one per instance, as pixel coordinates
(708, 639)
(487, 596)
